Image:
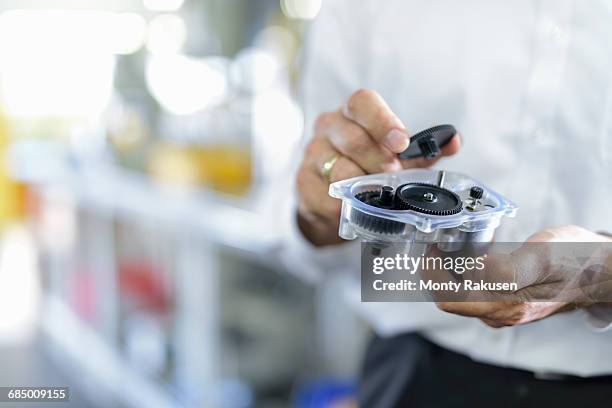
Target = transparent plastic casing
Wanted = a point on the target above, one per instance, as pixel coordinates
(465, 226)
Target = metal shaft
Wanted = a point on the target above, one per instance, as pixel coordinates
(441, 175)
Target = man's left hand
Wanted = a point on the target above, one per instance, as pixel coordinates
(541, 276)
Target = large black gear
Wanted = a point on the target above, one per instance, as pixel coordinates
(427, 199)
(428, 142)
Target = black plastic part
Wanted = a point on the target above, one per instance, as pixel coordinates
(428, 142)
(429, 147)
(380, 199)
(476, 192)
(427, 199)
(420, 197)
(386, 196)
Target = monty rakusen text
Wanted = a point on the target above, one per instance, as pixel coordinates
(411, 265)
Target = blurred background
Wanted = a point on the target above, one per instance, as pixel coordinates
(138, 139)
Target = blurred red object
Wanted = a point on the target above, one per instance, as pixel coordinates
(142, 285)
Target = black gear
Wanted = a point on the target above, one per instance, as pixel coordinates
(427, 199)
(428, 142)
(373, 223)
(476, 192)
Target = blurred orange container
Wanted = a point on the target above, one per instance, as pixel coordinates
(224, 168)
(12, 194)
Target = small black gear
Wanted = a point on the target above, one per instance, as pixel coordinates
(379, 199)
(427, 199)
(476, 192)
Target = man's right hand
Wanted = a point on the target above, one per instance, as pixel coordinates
(364, 136)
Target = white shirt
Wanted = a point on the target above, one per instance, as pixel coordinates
(529, 85)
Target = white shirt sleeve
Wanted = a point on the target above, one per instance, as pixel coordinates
(332, 70)
(302, 258)
(335, 60)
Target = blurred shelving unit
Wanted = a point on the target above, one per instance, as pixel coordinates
(201, 221)
(193, 90)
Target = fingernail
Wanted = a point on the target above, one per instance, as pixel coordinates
(397, 141)
(391, 167)
(345, 111)
(459, 138)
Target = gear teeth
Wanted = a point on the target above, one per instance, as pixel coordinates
(428, 142)
(373, 223)
(384, 226)
(476, 192)
(403, 204)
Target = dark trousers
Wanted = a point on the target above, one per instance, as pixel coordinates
(410, 371)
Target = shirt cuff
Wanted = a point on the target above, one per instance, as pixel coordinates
(309, 262)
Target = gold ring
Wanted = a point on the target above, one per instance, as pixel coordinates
(328, 166)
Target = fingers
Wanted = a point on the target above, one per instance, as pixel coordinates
(470, 309)
(345, 169)
(501, 314)
(367, 131)
(313, 186)
(494, 314)
(352, 141)
(452, 146)
(315, 204)
(365, 137)
(320, 150)
(368, 109)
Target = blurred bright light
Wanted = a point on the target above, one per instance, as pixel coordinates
(163, 5)
(184, 85)
(167, 34)
(56, 63)
(57, 28)
(19, 287)
(254, 69)
(277, 40)
(128, 33)
(58, 223)
(277, 124)
(301, 9)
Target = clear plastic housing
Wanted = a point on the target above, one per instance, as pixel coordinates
(467, 225)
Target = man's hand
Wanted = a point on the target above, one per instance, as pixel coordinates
(362, 137)
(542, 275)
